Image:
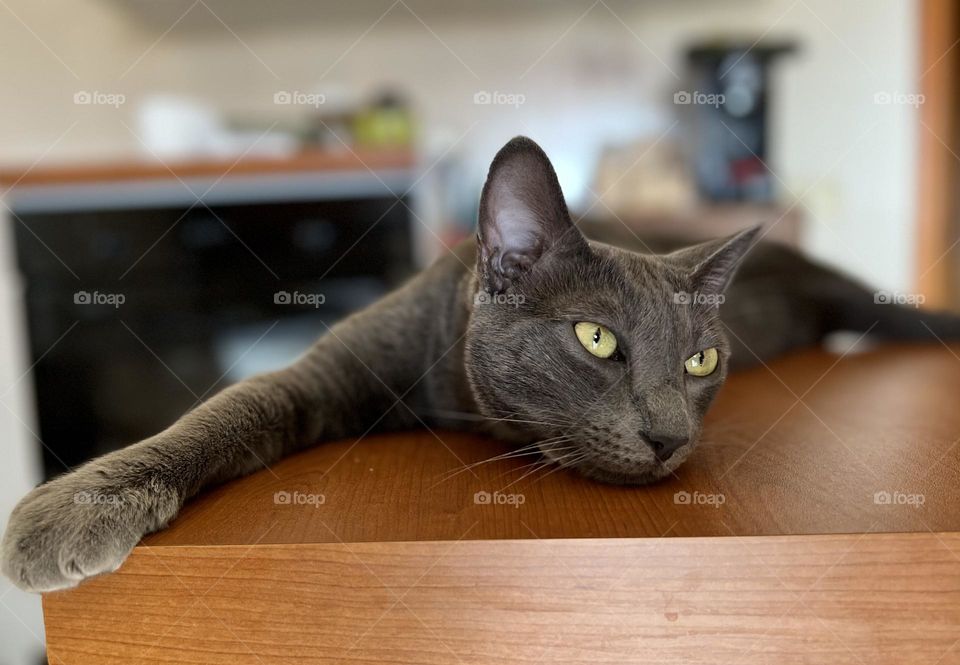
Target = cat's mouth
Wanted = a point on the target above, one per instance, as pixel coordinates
(620, 467)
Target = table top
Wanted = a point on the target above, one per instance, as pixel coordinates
(306, 161)
(814, 443)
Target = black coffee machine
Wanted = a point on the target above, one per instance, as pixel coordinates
(730, 83)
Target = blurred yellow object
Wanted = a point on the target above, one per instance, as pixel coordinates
(387, 125)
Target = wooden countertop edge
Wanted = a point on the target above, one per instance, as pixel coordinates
(950, 535)
(893, 597)
(307, 161)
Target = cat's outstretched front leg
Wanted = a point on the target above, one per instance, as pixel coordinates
(87, 521)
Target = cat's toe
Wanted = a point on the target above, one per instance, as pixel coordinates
(47, 561)
(54, 543)
(30, 564)
(96, 551)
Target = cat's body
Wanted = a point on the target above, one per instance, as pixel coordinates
(486, 339)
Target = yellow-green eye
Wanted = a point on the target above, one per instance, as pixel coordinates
(702, 363)
(596, 339)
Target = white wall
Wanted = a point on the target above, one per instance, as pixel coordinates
(21, 624)
(50, 51)
(602, 80)
(588, 78)
(857, 158)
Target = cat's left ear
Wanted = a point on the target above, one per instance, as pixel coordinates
(522, 215)
(711, 265)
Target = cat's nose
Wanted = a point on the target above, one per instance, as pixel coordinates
(664, 445)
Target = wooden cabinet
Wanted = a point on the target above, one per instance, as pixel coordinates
(816, 523)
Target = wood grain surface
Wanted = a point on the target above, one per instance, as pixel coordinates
(874, 599)
(775, 542)
(884, 422)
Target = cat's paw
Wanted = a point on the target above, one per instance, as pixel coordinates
(78, 526)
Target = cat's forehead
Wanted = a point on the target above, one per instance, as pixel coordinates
(642, 276)
(637, 266)
(612, 280)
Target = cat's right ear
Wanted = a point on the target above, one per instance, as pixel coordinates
(522, 215)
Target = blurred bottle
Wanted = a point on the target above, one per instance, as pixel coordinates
(386, 123)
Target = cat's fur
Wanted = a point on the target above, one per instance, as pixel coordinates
(497, 343)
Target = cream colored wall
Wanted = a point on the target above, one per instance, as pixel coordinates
(850, 161)
(606, 77)
(53, 50)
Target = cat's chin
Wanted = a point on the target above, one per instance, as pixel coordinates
(651, 474)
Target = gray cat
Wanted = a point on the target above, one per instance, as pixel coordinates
(604, 359)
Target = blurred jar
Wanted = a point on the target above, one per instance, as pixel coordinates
(387, 123)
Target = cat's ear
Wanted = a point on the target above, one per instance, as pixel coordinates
(711, 265)
(522, 215)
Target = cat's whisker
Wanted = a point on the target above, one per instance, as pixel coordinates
(563, 419)
(525, 450)
(520, 469)
(505, 456)
(555, 468)
(476, 417)
(538, 467)
(454, 415)
(566, 461)
(525, 466)
(571, 460)
(530, 449)
(527, 421)
(463, 415)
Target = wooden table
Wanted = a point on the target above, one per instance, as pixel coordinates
(307, 161)
(817, 522)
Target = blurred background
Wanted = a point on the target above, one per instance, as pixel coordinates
(189, 188)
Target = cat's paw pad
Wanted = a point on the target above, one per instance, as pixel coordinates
(62, 533)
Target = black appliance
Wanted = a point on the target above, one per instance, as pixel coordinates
(731, 89)
(136, 314)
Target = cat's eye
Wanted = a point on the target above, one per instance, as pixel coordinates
(702, 363)
(596, 339)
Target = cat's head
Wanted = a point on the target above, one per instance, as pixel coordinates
(608, 357)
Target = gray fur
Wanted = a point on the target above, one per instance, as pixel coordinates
(497, 344)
